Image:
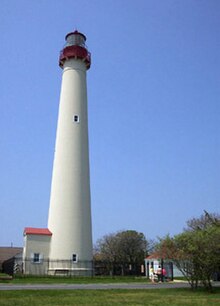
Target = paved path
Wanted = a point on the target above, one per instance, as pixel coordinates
(91, 286)
(96, 286)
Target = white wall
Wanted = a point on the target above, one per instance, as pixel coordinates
(39, 244)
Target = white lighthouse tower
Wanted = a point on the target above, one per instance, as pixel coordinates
(69, 218)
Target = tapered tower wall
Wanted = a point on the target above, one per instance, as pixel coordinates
(69, 217)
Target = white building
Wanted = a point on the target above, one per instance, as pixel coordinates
(36, 250)
(154, 261)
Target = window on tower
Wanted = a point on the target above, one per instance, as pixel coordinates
(75, 257)
(76, 118)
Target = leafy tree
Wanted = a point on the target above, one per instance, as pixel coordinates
(206, 220)
(122, 249)
(196, 251)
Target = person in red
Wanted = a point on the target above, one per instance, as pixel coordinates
(164, 273)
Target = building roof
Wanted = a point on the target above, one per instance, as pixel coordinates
(9, 252)
(37, 231)
(156, 255)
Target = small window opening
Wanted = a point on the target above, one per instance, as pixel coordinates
(76, 118)
(75, 258)
(36, 257)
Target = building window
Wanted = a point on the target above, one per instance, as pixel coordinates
(75, 257)
(76, 118)
(36, 258)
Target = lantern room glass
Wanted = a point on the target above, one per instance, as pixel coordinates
(75, 40)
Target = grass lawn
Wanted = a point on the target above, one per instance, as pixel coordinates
(184, 297)
(74, 280)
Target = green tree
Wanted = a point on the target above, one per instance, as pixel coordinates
(203, 222)
(122, 249)
(196, 251)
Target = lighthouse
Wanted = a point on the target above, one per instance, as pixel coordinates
(69, 218)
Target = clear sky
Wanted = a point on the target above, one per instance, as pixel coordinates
(154, 111)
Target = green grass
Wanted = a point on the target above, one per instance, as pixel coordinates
(165, 297)
(3, 274)
(74, 280)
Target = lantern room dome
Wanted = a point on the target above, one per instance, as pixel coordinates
(76, 35)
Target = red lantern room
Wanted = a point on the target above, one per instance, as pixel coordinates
(75, 47)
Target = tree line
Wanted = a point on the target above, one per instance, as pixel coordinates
(121, 253)
(195, 251)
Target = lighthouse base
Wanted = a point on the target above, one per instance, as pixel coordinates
(56, 268)
(68, 268)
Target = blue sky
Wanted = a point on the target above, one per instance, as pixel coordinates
(154, 111)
